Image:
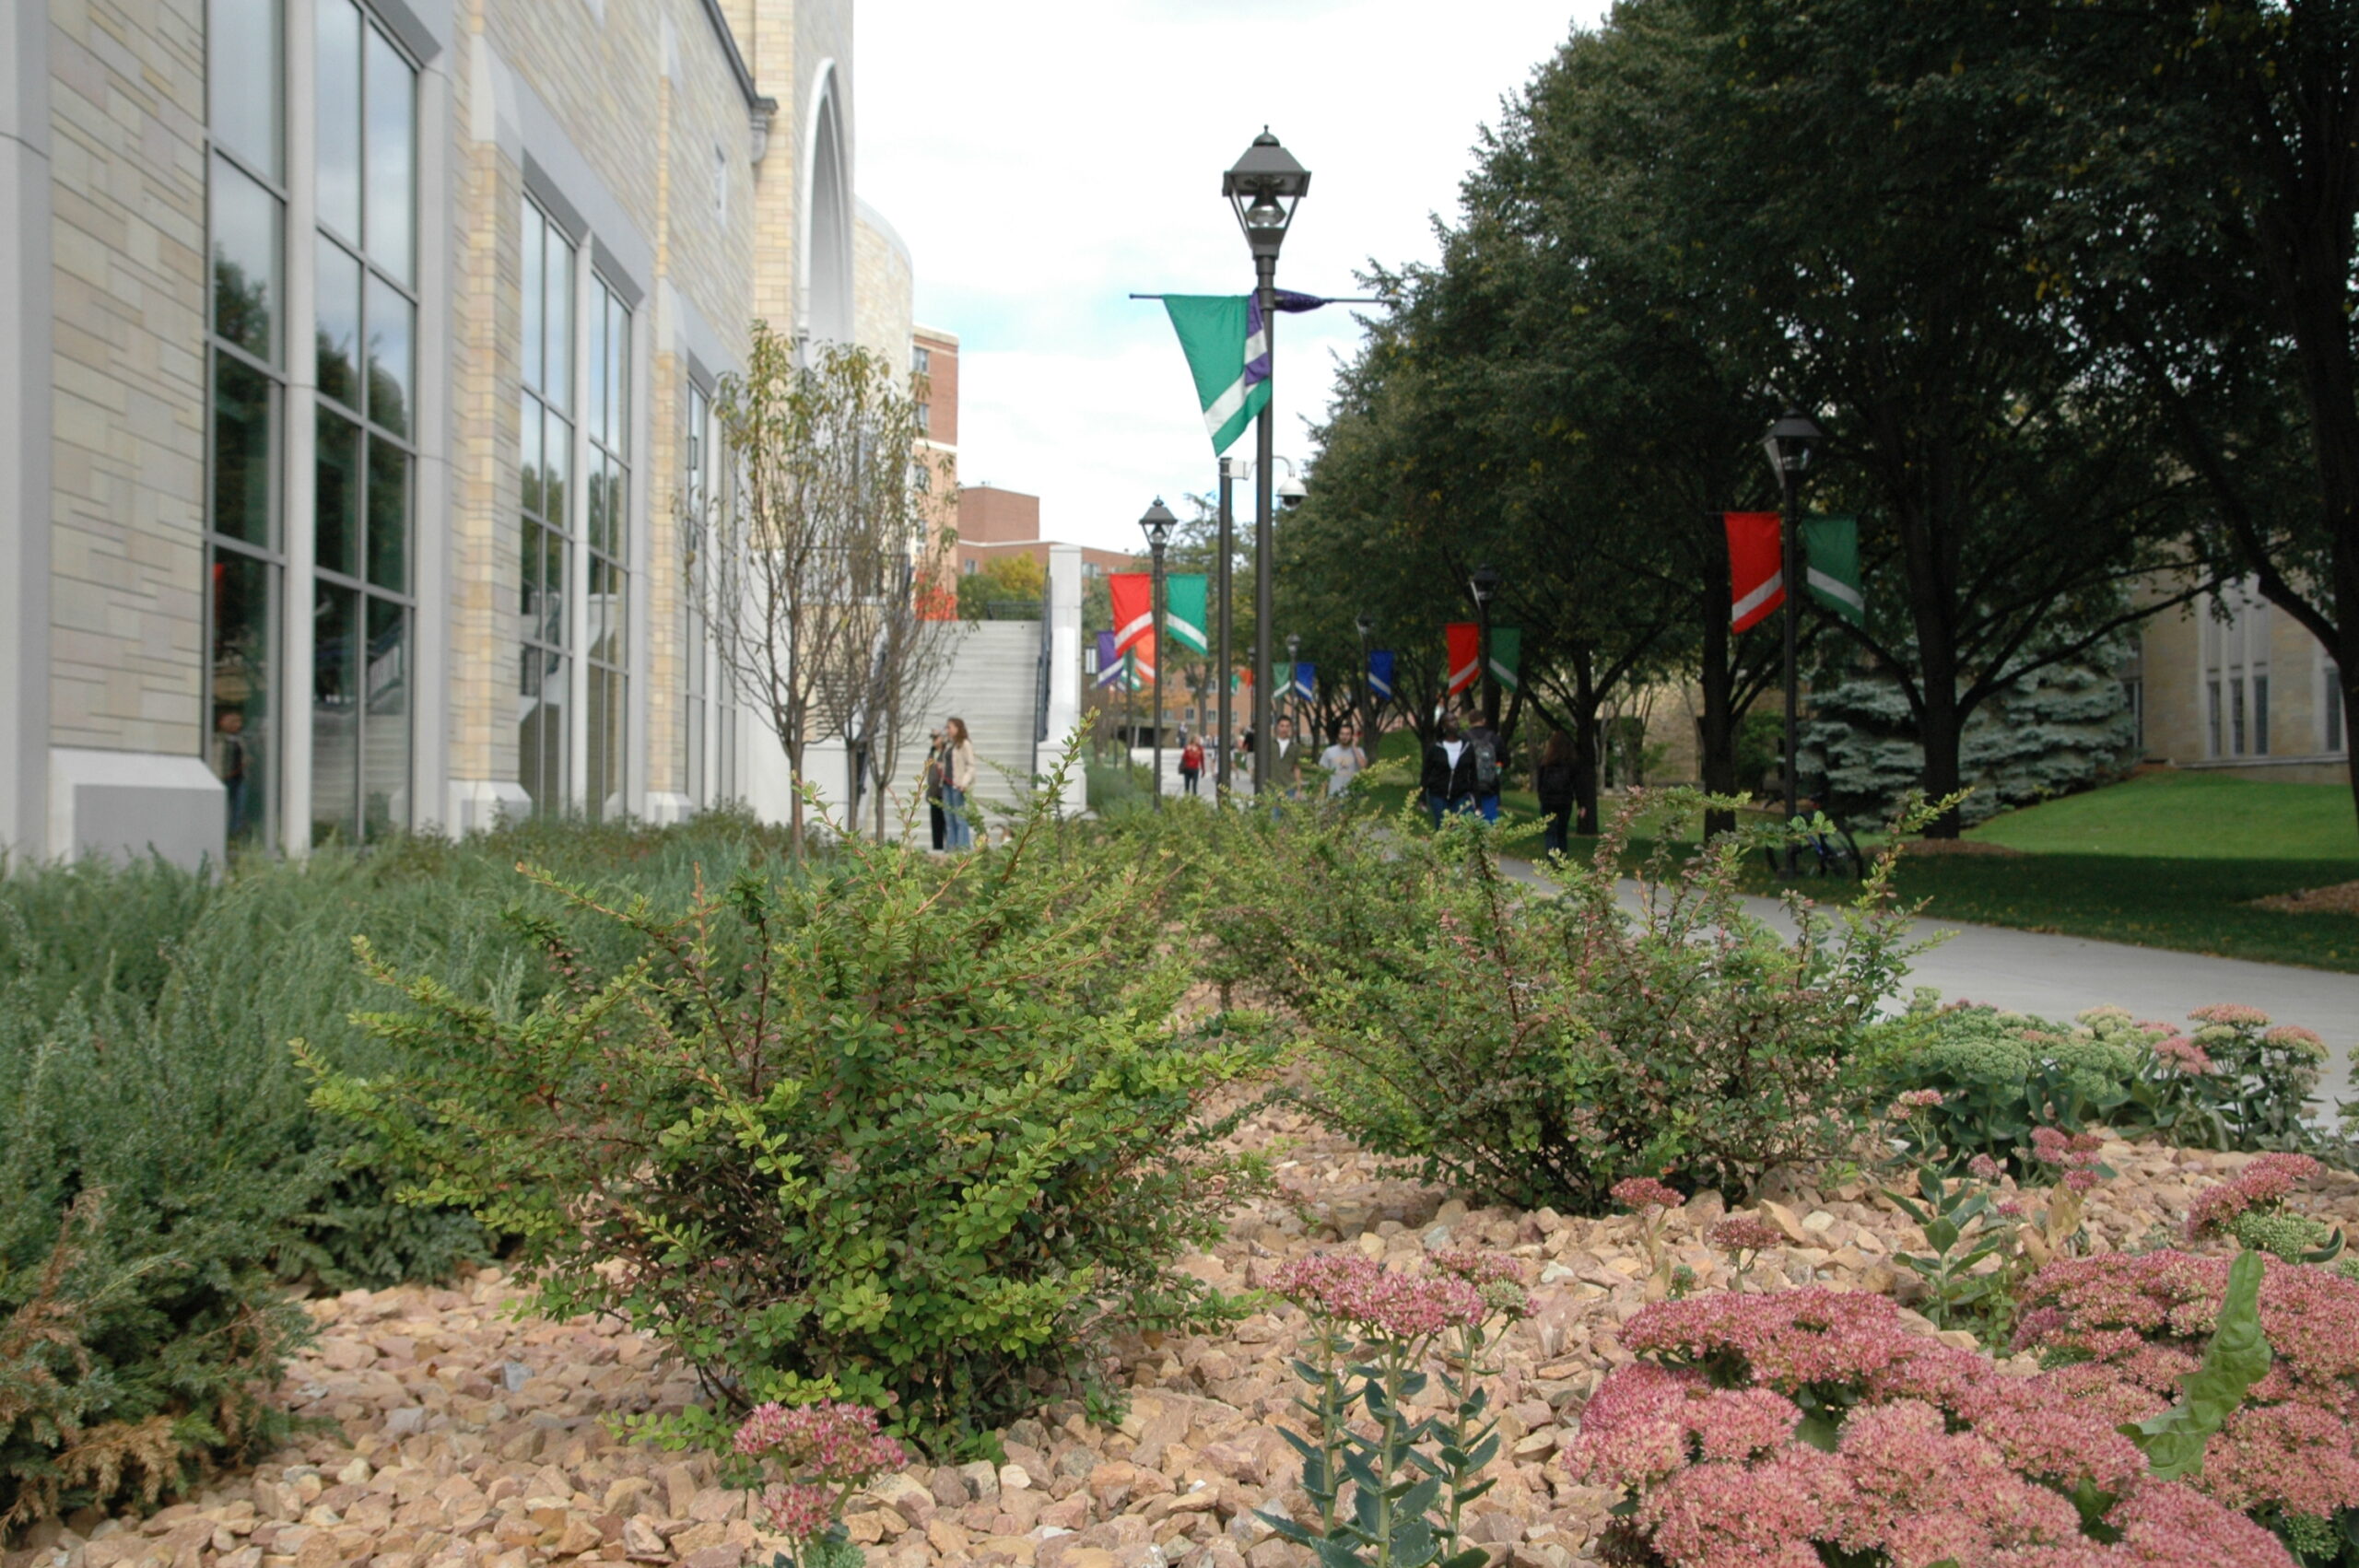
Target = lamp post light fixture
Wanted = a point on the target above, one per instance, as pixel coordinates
(1157, 524)
(1789, 445)
(1485, 585)
(1264, 188)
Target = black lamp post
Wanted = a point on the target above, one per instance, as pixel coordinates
(1157, 523)
(1368, 690)
(1789, 444)
(1227, 553)
(1264, 188)
(1485, 583)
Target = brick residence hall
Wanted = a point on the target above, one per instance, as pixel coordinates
(352, 355)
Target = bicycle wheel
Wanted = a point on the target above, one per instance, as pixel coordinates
(1849, 862)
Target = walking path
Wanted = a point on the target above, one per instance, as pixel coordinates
(2058, 976)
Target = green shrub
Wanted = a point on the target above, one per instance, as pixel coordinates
(1536, 1050)
(923, 1132)
(2236, 1082)
(2000, 1074)
(163, 1176)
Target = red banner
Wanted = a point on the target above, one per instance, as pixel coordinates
(1464, 640)
(1756, 567)
(1133, 596)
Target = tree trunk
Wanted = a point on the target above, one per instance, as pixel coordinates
(795, 816)
(1716, 729)
(1941, 736)
(1586, 736)
(2347, 664)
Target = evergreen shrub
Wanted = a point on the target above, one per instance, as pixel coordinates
(163, 1176)
(918, 1134)
(2052, 732)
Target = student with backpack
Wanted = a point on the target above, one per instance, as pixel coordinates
(1485, 777)
(1447, 780)
(1191, 764)
(1552, 782)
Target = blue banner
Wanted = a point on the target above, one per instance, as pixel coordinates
(1302, 675)
(1379, 674)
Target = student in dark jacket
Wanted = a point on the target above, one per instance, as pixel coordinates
(1553, 782)
(1448, 777)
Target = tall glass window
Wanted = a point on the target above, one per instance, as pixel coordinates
(695, 685)
(546, 461)
(2236, 633)
(605, 643)
(365, 468)
(246, 200)
(2330, 706)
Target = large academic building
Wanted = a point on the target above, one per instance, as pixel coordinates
(354, 357)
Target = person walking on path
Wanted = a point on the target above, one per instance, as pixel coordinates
(958, 785)
(1552, 782)
(1342, 761)
(1286, 762)
(1446, 778)
(1191, 763)
(936, 763)
(1486, 777)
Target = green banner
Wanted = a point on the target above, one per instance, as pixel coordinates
(1184, 595)
(1832, 547)
(1506, 655)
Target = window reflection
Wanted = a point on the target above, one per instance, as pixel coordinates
(338, 290)
(245, 263)
(337, 171)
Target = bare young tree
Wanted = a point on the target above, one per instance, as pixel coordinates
(810, 571)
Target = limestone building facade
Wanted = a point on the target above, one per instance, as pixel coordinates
(355, 356)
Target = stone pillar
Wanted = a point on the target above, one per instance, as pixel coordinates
(1065, 662)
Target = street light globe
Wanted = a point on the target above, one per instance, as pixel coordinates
(1157, 523)
(1485, 582)
(1791, 441)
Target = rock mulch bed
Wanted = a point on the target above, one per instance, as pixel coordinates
(452, 1431)
(2342, 898)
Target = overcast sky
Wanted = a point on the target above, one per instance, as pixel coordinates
(1045, 158)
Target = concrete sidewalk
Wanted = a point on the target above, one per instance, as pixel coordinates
(2058, 976)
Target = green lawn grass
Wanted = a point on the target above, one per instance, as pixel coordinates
(2174, 816)
(2166, 859)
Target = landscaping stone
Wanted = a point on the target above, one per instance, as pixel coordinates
(457, 1435)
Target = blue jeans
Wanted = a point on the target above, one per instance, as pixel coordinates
(958, 832)
(1489, 806)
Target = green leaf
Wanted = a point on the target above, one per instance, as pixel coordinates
(2237, 1357)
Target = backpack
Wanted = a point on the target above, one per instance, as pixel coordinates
(1486, 765)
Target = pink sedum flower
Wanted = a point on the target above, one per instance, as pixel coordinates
(1350, 1288)
(2182, 1056)
(1743, 1232)
(1638, 1194)
(1919, 1100)
(2232, 1015)
(2264, 1184)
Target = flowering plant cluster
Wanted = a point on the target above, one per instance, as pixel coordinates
(824, 1450)
(1651, 1201)
(2250, 1209)
(1968, 1080)
(1395, 1499)
(1792, 1430)
(2123, 1330)
(2241, 1081)
(1745, 1238)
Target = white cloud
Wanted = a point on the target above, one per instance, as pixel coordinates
(1044, 158)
